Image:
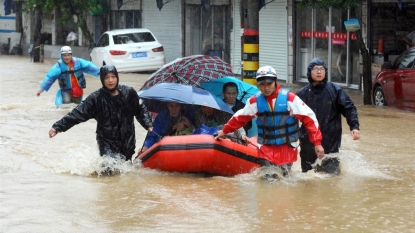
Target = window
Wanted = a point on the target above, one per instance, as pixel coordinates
(126, 19)
(341, 54)
(207, 32)
(103, 41)
(133, 38)
(407, 60)
(132, 19)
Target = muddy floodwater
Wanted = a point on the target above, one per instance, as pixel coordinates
(51, 185)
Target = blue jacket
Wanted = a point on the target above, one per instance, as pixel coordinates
(161, 125)
(276, 127)
(60, 71)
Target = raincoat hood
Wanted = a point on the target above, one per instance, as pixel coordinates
(316, 62)
(104, 71)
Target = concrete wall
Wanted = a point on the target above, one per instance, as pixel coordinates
(53, 51)
(7, 24)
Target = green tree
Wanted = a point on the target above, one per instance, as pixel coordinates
(69, 10)
(354, 6)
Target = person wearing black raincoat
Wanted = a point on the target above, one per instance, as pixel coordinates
(329, 102)
(113, 107)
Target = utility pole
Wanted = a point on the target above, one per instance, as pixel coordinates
(250, 40)
(37, 48)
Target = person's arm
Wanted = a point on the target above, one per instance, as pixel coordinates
(240, 133)
(89, 67)
(140, 111)
(185, 124)
(240, 105)
(145, 118)
(306, 115)
(81, 113)
(308, 118)
(52, 133)
(49, 79)
(349, 111)
(39, 91)
(240, 118)
(154, 136)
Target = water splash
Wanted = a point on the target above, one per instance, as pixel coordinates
(352, 163)
(46, 107)
(84, 161)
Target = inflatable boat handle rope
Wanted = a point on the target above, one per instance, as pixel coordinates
(238, 139)
(160, 137)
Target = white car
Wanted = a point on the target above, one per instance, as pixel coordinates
(129, 50)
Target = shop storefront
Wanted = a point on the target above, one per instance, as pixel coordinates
(188, 27)
(207, 29)
(339, 49)
(166, 24)
(390, 22)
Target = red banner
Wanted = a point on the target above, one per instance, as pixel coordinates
(321, 35)
(305, 34)
(337, 42)
(325, 35)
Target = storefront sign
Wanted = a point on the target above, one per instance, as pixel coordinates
(321, 35)
(305, 34)
(352, 25)
(325, 35)
(337, 41)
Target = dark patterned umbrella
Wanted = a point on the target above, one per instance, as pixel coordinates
(192, 70)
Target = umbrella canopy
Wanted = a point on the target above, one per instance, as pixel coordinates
(156, 96)
(245, 90)
(192, 70)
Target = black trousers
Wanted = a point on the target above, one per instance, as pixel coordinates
(114, 149)
(308, 157)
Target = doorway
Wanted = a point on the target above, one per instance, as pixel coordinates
(341, 55)
(207, 31)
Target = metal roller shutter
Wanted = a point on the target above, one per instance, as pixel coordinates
(273, 45)
(165, 25)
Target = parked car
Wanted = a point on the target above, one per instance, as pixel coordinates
(394, 85)
(129, 50)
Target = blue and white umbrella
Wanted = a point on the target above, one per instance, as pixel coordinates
(156, 96)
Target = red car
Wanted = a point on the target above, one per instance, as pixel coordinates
(394, 85)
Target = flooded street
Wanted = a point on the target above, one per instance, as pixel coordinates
(50, 185)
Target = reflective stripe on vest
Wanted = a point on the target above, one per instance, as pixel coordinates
(276, 127)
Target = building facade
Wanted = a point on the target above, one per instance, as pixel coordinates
(289, 35)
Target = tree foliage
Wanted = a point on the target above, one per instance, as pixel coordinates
(70, 9)
(345, 4)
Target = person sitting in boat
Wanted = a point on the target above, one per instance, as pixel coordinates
(211, 117)
(278, 113)
(230, 92)
(175, 120)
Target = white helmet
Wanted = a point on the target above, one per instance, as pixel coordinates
(66, 49)
(266, 73)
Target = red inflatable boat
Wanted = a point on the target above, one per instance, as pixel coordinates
(201, 153)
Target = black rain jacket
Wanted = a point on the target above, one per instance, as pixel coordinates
(114, 115)
(329, 102)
